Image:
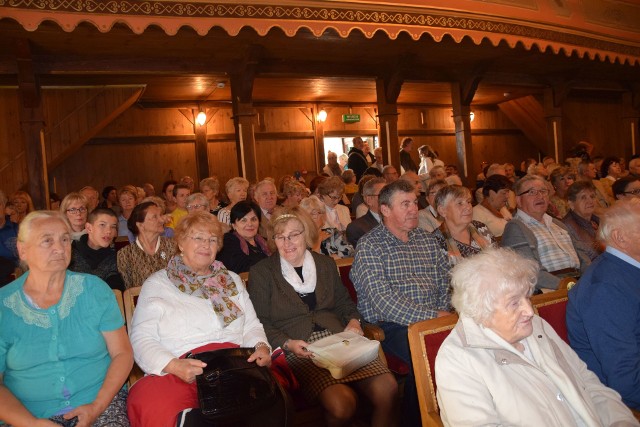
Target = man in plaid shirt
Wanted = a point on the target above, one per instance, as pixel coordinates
(401, 276)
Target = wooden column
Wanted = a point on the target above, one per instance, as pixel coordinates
(387, 92)
(32, 125)
(553, 99)
(244, 113)
(631, 122)
(461, 97)
(318, 138)
(202, 152)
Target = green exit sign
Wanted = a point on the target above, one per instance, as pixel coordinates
(350, 118)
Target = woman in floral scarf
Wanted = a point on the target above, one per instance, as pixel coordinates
(193, 305)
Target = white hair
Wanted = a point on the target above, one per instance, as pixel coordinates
(479, 281)
(623, 215)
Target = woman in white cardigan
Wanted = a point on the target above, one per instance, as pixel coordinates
(330, 191)
(193, 305)
(503, 365)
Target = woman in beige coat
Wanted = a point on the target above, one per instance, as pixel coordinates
(503, 365)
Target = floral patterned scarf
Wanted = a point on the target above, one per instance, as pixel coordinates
(218, 287)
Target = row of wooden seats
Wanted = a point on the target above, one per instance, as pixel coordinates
(426, 337)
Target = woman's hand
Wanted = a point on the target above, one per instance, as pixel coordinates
(299, 348)
(261, 356)
(86, 414)
(185, 369)
(354, 326)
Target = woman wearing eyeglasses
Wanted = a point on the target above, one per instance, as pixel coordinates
(299, 298)
(75, 207)
(330, 241)
(149, 251)
(330, 192)
(626, 188)
(192, 305)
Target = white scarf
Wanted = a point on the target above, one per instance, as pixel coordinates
(308, 272)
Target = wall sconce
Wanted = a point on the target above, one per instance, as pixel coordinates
(322, 115)
(471, 116)
(201, 118)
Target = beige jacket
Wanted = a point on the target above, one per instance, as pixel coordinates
(485, 383)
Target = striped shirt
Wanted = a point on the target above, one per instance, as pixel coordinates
(400, 282)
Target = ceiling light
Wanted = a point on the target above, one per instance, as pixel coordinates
(322, 115)
(201, 118)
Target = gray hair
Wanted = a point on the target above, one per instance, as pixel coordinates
(198, 197)
(433, 170)
(479, 281)
(312, 202)
(369, 187)
(450, 192)
(266, 181)
(527, 178)
(159, 202)
(622, 215)
(389, 190)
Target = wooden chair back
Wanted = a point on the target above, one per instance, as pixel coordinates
(130, 300)
(425, 339)
(118, 294)
(552, 307)
(344, 267)
(120, 242)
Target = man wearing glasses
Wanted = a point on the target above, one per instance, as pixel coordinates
(536, 235)
(361, 226)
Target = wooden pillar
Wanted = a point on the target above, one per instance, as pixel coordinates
(202, 152)
(553, 99)
(32, 125)
(243, 120)
(630, 123)
(318, 138)
(387, 92)
(461, 97)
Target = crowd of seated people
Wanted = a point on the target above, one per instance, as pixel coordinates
(408, 236)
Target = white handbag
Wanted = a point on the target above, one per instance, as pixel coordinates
(343, 353)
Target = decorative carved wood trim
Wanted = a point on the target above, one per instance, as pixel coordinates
(582, 35)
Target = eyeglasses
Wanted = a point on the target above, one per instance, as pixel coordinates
(74, 211)
(534, 192)
(635, 192)
(316, 213)
(202, 241)
(195, 206)
(291, 237)
(333, 197)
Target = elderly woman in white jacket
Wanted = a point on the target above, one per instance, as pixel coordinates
(193, 305)
(503, 365)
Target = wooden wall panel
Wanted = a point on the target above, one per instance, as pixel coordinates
(221, 121)
(222, 160)
(13, 165)
(280, 157)
(153, 121)
(283, 119)
(120, 164)
(597, 120)
(367, 121)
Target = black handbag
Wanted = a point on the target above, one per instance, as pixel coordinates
(230, 387)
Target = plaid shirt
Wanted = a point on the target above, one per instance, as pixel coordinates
(555, 247)
(400, 282)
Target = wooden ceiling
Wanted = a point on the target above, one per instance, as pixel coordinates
(188, 67)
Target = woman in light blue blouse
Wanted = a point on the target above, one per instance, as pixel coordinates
(64, 353)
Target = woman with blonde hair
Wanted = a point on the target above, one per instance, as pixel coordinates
(128, 199)
(236, 189)
(294, 192)
(299, 298)
(76, 208)
(23, 205)
(329, 240)
(210, 187)
(330, 191)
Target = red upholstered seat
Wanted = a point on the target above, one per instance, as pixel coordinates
(552, 307)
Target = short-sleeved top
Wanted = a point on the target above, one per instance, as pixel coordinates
(56, 359)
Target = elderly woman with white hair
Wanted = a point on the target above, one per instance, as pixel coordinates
(197, 202)
(504, 365)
